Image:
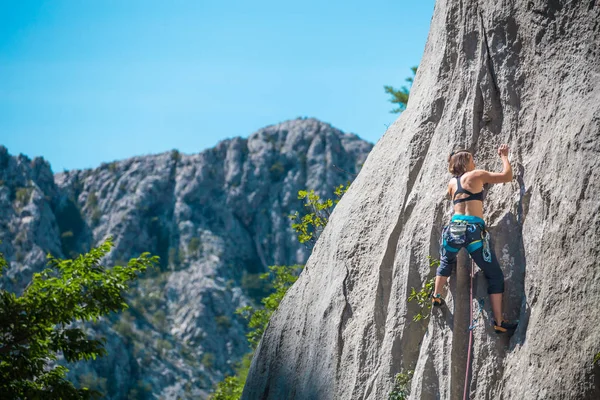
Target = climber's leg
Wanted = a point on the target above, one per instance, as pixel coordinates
(496, 300)
(447, 263)
(491, 269)
(493, 273)
(440, 281)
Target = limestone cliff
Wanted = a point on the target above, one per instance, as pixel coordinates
(215, 219)
(522, 73)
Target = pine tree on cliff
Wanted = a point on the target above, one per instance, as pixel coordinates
(400, 96)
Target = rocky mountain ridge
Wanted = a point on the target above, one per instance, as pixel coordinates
(216, 219)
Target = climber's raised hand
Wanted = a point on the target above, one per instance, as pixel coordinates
(503, 150)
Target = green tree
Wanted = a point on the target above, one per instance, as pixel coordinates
(314, 221)
(39, 325)
(232, 386)
(281, 278)
(400, 96)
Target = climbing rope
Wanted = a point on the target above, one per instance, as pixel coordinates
(470, 332)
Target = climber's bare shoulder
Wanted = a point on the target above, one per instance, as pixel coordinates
(452, 187)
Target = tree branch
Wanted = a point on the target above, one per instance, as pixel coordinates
(8, 347)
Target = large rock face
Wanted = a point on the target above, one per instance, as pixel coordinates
(215, 218)
(522, 73)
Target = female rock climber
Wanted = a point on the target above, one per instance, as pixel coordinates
(467, 229)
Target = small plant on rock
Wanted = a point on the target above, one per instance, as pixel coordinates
(313, 222)
(401, 388)
(422, 296)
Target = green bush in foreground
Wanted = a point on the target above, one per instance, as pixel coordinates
(232, 386)
(38, 325)
(283, 277)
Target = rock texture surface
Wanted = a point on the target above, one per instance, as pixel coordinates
(522, 73)
(215, 218)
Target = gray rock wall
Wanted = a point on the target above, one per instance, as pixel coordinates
(522, 73)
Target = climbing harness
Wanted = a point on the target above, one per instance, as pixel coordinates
(458, 233)
(487, 254)
(470, 332)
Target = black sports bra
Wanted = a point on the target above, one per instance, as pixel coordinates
(460, 189)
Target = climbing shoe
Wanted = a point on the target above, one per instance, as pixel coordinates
(505, 326)
(437, 300)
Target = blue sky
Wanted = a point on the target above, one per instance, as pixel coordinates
(85, 82)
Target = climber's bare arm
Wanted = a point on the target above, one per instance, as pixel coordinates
(450, 189)
(496, 177)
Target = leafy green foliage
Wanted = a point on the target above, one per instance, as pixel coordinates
(314, 221)
(255, 287)
(401, 389)
(423, 296)
(596, 358)
(232, 386)
(400, 96)
(38, 325)
(283, 277)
